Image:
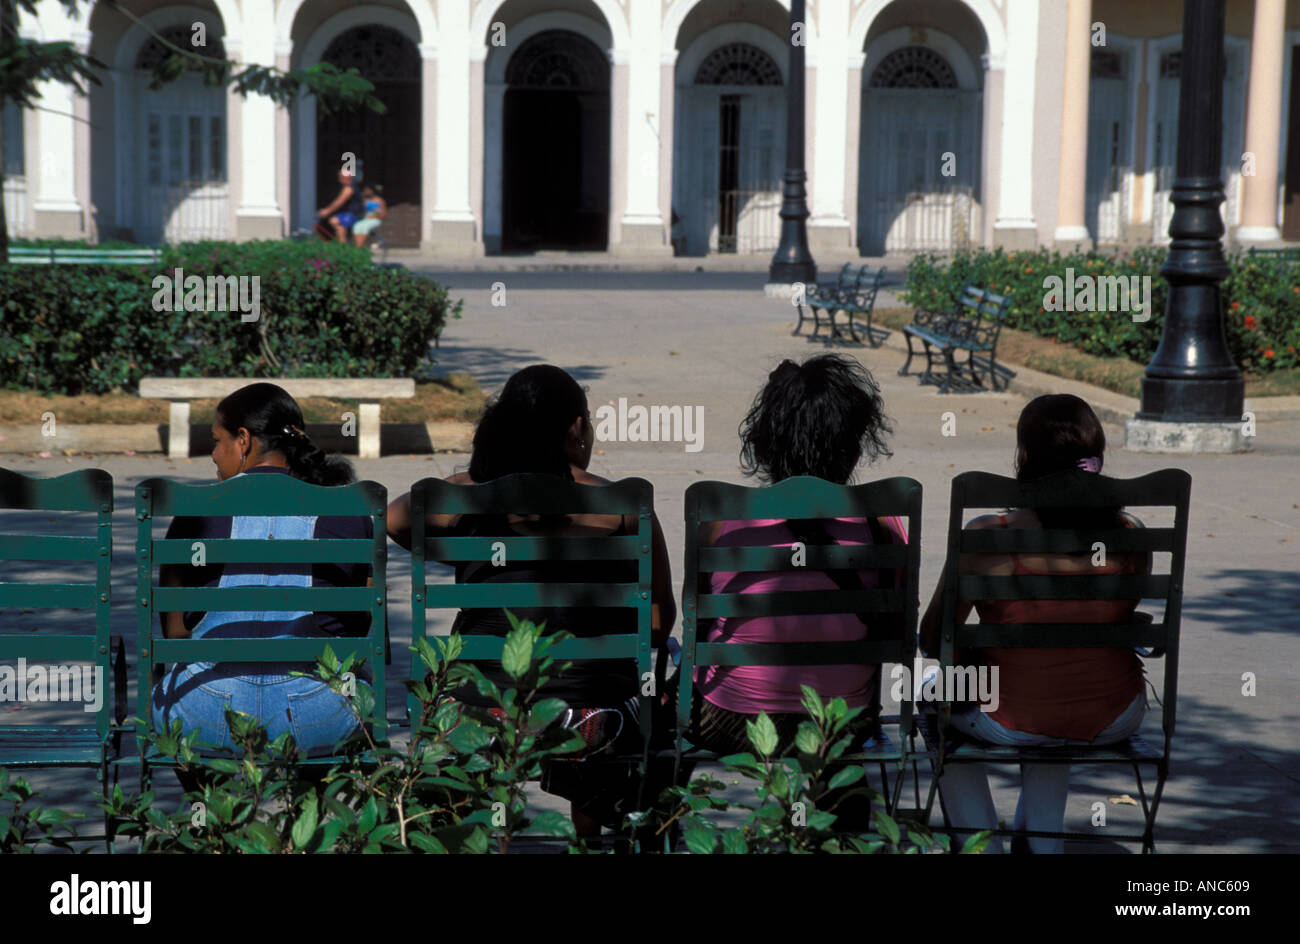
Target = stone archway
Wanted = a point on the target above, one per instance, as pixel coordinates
(387, 145)
(555, 182)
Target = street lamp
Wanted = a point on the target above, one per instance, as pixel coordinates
(1192, 393)
(793, 262)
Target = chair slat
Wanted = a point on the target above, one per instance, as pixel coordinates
(800, 603)
(1063, 587)
(517, 548)
(867, 652)
(801, 497)
(489, 648)
(301, 649)
(1064, 635)
(83, 490)
(36, 647)
(232, 551)
(47, 547)
(1070, 489)
(505, 595)
(274, 496)
(277, 599)
(559, 498)
(73, 596)
(813, 557)
(1032, 541)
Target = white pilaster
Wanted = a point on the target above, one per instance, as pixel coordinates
(1014, 225)
(259, 214)
(453, 226)
(828, 227)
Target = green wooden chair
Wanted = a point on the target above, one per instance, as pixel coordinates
(893, 612)
(90, 490)
(541, 495)
(1169, 488)
(259, 496)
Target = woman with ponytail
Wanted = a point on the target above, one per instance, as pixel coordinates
(540, 423)
(259, 430)
(1046, 697)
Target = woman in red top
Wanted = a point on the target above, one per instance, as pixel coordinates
(1046, 697)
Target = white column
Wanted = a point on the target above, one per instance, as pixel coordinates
(1264, 124)
(1071, 198)
(453, 230)
(667, 128)
(1014, 226)
(642, 226)
(55, 209)
(429, 137)
(828, 227)
(259, 215)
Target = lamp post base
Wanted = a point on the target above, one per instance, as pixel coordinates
(1185, 438)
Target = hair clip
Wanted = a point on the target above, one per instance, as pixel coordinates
(1091, 464)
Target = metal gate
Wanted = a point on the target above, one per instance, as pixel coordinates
(727, 169)
(918, 167)
(1166, 139)
(183, 194)
(1108, 188)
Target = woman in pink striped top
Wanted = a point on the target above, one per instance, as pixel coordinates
(819, 418)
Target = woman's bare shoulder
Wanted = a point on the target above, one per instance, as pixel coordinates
(460, 478)
(985, 521)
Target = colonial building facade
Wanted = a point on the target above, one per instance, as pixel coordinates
(658, 126)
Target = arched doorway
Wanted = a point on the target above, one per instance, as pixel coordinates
(919, 155)
(555, 166)
(387, 145)
(730, 144)
(178, 175)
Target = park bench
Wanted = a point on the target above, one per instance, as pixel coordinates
(1169, 488)
(85, 744)
(853, 292)
(23, 255)
(541, 495)
(892, 634)
(369, 390)
(249, 495)
(974, 327)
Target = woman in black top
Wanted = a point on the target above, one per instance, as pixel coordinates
(541, 424)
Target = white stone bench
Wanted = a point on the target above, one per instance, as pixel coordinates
(181, 390)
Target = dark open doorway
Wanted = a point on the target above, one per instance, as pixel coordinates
(387, 145)
(1291, 204)
(555, 167)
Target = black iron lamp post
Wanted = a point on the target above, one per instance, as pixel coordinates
(1192, 377)
(793, 262)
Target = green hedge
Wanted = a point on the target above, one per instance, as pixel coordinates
(325, 311)
(1261, 299)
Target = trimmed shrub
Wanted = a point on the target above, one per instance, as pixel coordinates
(1261, 300)
(325, 311)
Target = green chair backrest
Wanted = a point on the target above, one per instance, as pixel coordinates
(89, 490)
(82, 255)
(260, 495)
(1168, 488)
(535, 494)
(890, 638)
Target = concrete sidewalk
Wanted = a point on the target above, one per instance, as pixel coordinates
(1237, 757)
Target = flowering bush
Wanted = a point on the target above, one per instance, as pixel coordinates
(1261, 298)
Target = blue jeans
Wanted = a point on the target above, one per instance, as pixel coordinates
(317, 717)
(1044, 788)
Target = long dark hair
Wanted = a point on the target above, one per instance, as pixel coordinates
(815, 418)
(1053, 434)
(523, 429)
(275, 420)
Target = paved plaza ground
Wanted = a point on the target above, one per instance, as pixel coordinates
(709, 339)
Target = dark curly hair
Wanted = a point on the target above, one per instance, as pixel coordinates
(274, 419)
(816, 418)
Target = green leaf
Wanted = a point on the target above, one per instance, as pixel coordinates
(846, 776)
(700, 841)
(762, 734)
(305, 827)
(551, 823)
(976, 844)
(808, 739)
(517, 656)
(886, 826)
